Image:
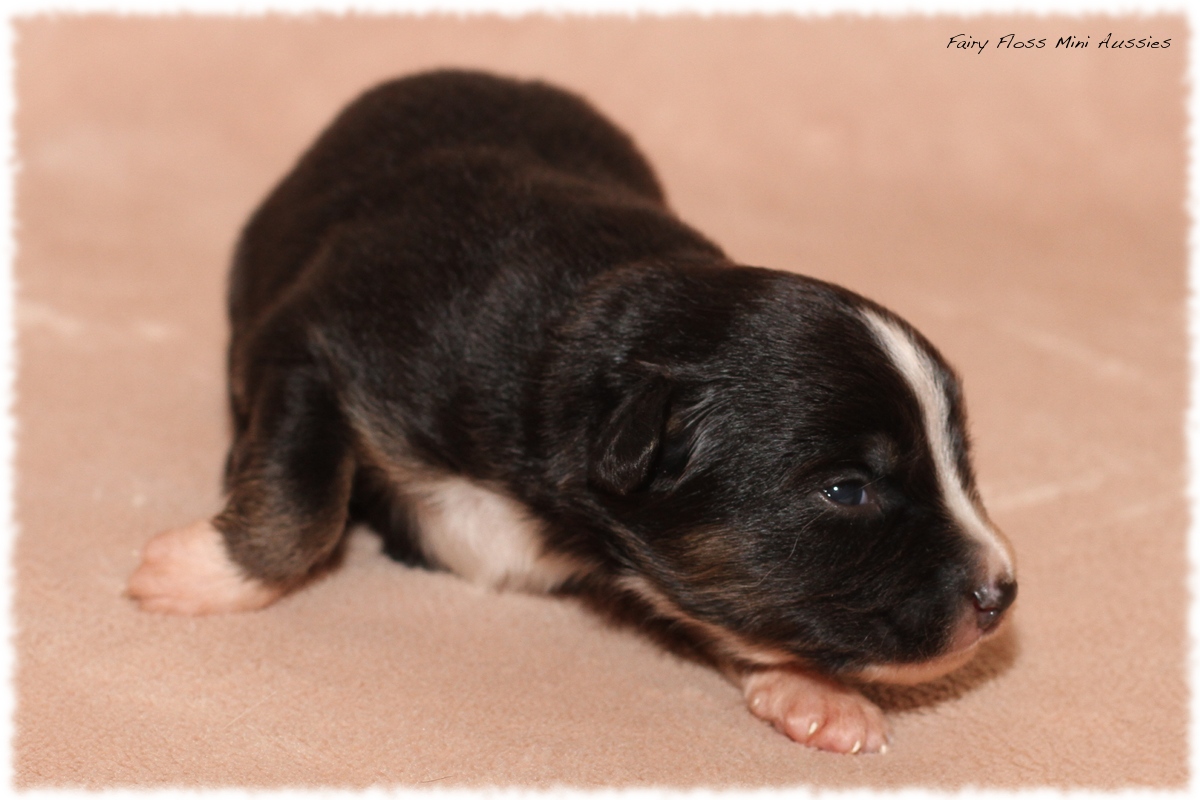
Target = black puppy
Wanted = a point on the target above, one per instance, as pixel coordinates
(468, 318)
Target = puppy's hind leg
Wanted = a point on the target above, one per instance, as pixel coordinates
(288, 484)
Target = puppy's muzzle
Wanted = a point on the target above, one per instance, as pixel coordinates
(983, 610)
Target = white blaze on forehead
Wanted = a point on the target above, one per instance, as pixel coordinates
(925, 379)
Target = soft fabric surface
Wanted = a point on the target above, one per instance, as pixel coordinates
(1024, 208)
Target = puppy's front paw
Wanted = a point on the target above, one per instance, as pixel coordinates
(187, 571)
(816, 711)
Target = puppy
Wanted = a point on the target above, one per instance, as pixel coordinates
(468, 318)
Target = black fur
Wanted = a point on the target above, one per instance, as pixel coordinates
(474, 276)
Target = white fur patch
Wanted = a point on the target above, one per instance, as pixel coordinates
(188, 571)
(924, 378)
(484, 536)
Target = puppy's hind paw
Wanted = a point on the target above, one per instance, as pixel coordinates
(188, 571)
(816, 711)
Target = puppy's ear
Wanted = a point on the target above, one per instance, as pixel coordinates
(629, 440)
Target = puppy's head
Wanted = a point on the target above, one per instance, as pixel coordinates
(788, 467)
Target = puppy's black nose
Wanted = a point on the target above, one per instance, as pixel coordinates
(991, 601)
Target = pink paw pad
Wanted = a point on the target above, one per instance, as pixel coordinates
(187, 571)
(816, 711)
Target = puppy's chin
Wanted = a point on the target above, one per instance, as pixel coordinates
(962, 649)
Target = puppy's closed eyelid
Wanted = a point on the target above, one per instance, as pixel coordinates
(876, 492)
(849, 493)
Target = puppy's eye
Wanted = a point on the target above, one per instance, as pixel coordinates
(848, 493)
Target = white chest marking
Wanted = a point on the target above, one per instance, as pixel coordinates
(924, 378)
(484, 536)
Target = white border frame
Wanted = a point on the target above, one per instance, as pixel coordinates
(21, 8)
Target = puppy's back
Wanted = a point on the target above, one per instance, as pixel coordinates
(450, 109)
(362, 158)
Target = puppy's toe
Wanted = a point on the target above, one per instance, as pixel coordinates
(187, 571)
(852, 724)
(816, 711)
